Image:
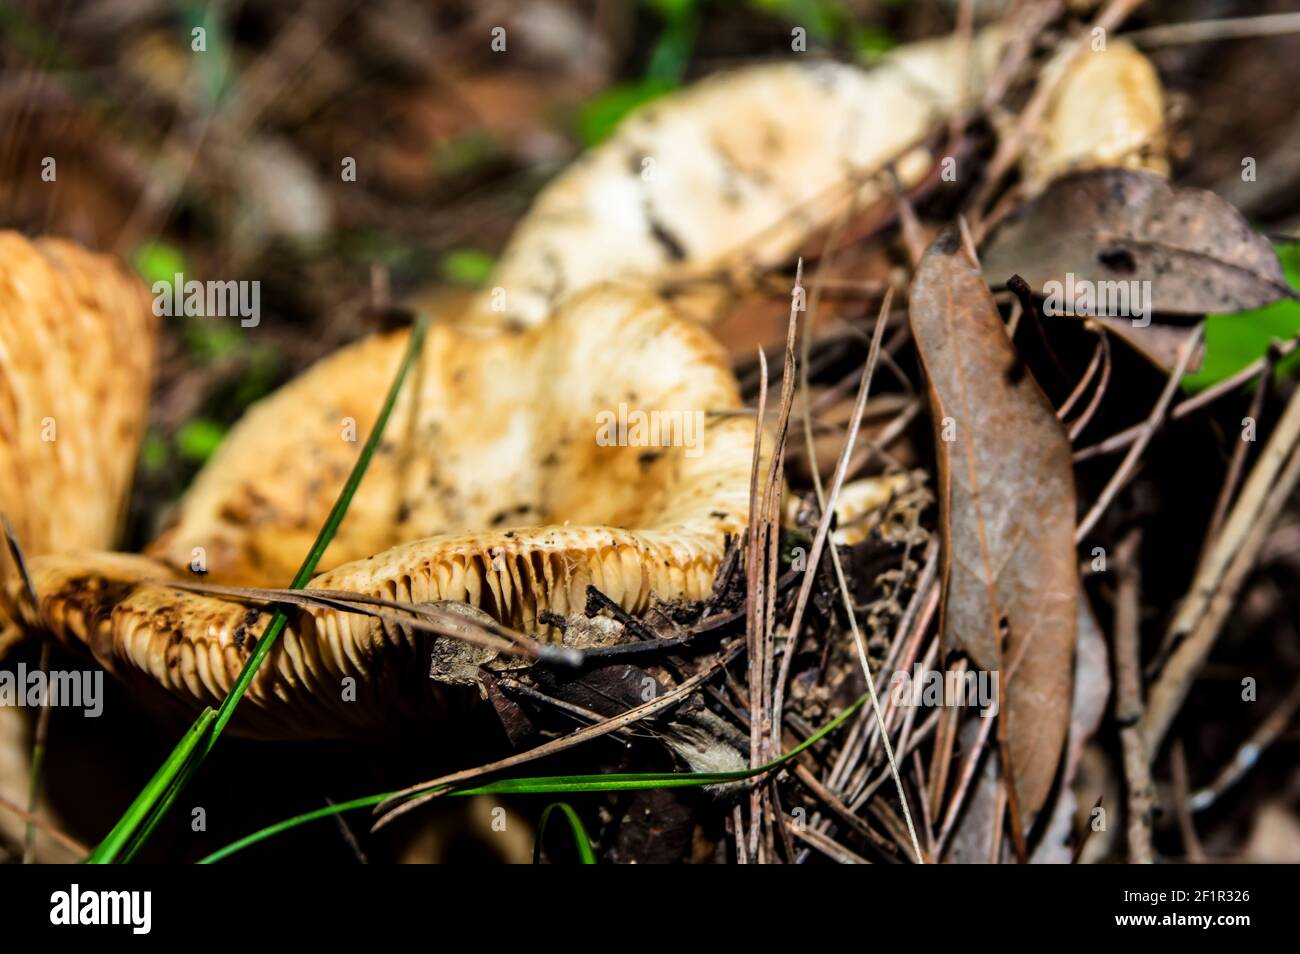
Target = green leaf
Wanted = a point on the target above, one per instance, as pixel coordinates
(210, 341)
(598, 118)
(467, 266)
(601, 115)
(581, 842)
(259, 376)
(821, 18)
(159, 262)
(213, 63)
(870, 42)
(368, 801)
(672, 52)
(153, 452)
(673, 10)
(460, 155)
(116, 840)
(1236, 340)
(198, 439)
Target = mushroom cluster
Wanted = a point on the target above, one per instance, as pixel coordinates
(572, 428)
(494, 487)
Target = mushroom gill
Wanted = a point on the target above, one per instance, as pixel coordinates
(599, 448)
(76, 356)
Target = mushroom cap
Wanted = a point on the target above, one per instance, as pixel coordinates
(739, 168)
(1108, 110)
(860, 499)
(77, 338)
(495, 431)
(503, 482)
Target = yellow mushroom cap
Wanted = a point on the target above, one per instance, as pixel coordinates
(518, 469)
(860, 500)
(494, 430)
(1108, 110)
(77, 338)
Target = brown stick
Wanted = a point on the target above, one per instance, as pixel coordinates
(1248, 753)
(1153, 422)
(1128, 703)
(1224, 569)
(65, 840)
(1182, 807)
(424, 791)
(1117, 442)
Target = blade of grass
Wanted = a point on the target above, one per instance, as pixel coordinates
(116, 840)
(272, 830)
(551, 784)
(580, 840)
(152, 804)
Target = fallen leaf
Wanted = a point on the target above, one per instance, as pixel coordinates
(1234, 341)
(972, 840)
(1110, 225)
(1162, 345)
(1006, 498)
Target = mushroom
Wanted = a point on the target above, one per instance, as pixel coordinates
(863, 504)
(737, 169)
(493, 485)
(76, 355)
(519, 468)
(1107, 110)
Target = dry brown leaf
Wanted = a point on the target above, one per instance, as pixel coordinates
(1162, 345)
(1006, 496)
(1198, 252)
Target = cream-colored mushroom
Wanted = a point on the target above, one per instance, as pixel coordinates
(862, 503)
(1108, 110)
(494, 431)
(505, 482)
(492, 485)
(738, 169)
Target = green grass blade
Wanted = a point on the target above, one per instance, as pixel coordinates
(158, 795)
(138, 810)
(326, 535)
(551, 784)
(580, 840)
(368, 801)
